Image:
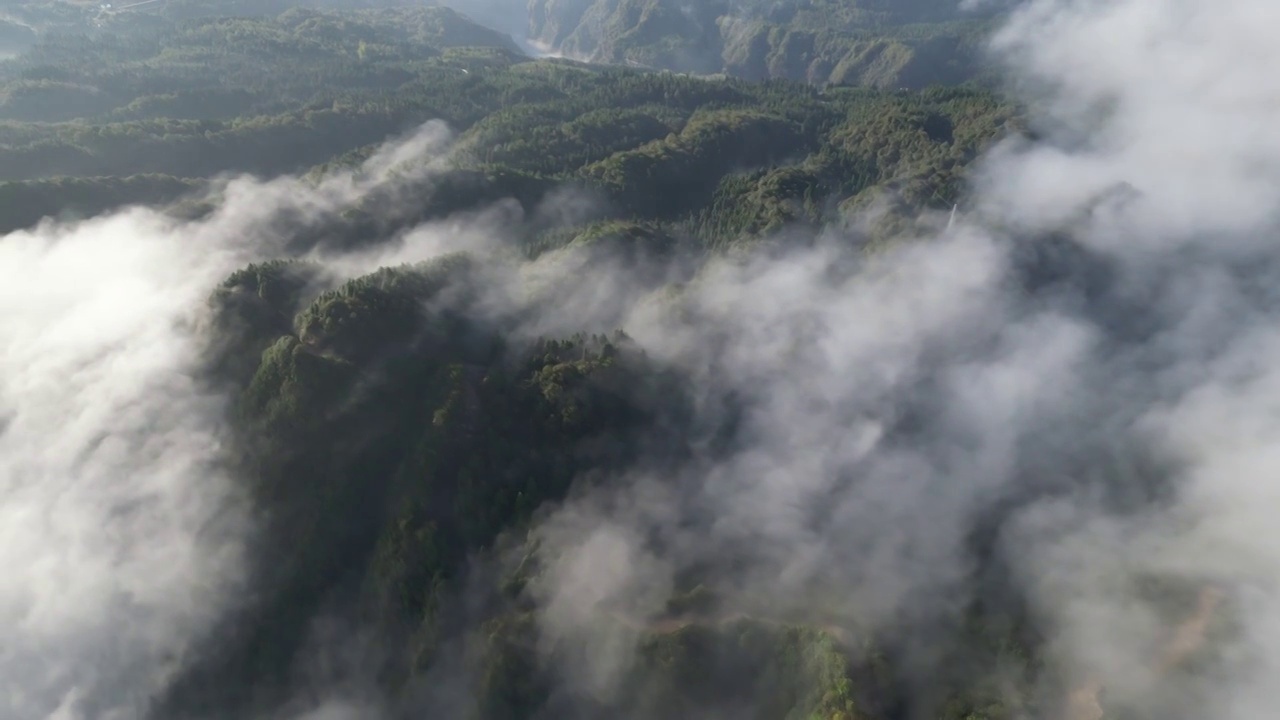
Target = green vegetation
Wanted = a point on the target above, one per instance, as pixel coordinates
(797, 673)
(24, 204)
(869, 43)
(400, 436)
(718, 159)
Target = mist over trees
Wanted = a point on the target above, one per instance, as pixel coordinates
(637, 359)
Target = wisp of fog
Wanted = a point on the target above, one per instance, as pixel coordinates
(1105, 412)
(121, 534)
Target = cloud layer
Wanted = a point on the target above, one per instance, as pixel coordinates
(1079, 368)
(122, 535)
(1089, 348)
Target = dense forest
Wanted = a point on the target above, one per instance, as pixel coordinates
(157, 107)
(538, 377)
(882, 44)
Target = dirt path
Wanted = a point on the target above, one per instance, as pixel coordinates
(1190, 635)
(1083, 702)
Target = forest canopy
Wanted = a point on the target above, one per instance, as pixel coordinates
(602, 369)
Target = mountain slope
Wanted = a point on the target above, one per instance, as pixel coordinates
(880, 45)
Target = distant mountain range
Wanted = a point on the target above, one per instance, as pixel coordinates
(884, 44)
(878, 43)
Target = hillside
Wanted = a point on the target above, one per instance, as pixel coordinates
(885, 45)
(380, 370)
(890, 46)
(193, 99)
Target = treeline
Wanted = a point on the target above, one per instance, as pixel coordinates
(395, 428)
(24, 204)
(712, 159)
(872, 44)
(390, 429)
(715, 160)
(138, 67)
(400, 431)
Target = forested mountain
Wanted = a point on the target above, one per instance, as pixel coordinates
(881, 44)
(545, 388)
(196, 98)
